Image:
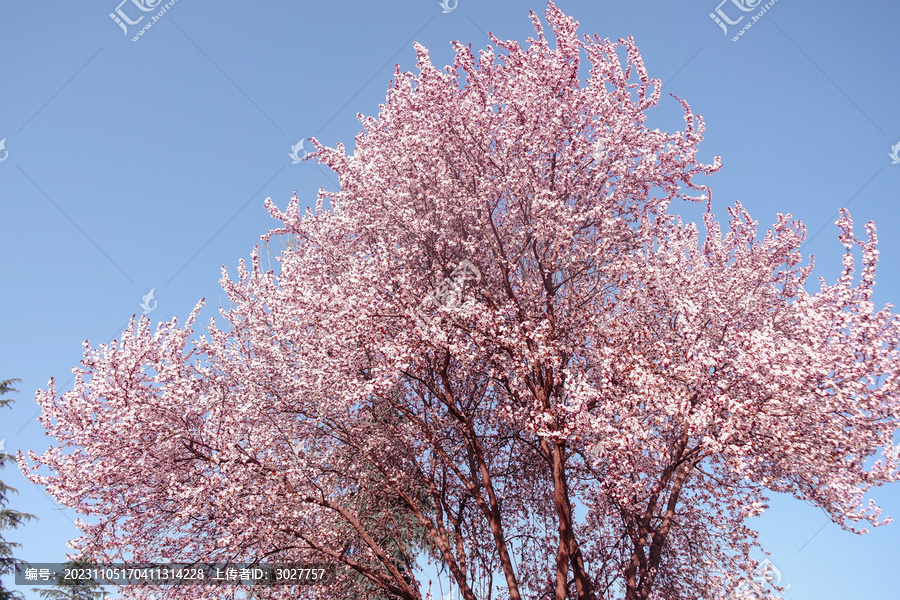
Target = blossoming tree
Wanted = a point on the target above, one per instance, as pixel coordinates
(499, 351)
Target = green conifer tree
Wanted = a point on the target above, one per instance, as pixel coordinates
(9, 518)
(73, 589)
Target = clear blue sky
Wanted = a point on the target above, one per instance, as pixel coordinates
(139, 165)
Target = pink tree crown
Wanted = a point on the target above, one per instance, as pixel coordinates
(580, 346)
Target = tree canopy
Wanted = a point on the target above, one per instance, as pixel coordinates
(499, 350)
